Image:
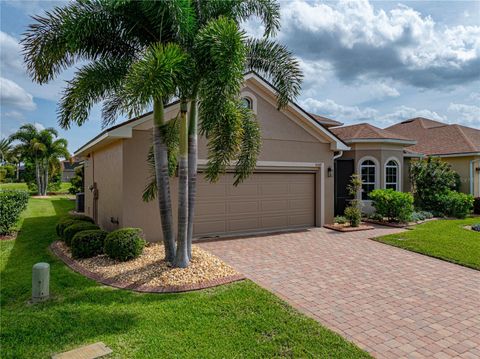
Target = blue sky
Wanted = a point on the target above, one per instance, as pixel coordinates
(378, 62)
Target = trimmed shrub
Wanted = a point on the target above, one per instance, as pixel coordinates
(476, 227)
(86, 244)
(340, 220)
(418, 216)
(73, 229)
(396, 206)
(68, 220)
(456, 204)
(354, 215)
(12, 203)
(124, 244)
(476, 205)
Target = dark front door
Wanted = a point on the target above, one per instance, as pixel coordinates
(343, 171)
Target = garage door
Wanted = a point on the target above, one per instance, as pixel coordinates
(266, 201)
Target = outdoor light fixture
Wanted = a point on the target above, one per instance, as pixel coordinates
(329, 172)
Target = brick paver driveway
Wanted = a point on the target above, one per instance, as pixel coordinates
(391, 302)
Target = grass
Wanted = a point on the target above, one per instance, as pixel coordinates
(444, 239)
(64, 186)
(240, 320)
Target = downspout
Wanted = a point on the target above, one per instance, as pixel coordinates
(340, 154)
(472, 177)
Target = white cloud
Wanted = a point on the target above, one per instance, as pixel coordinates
(39, 126)
(401, 44)
(356, 114)
(14, 96)
(10, 54)
(468, 114)
(15, 115)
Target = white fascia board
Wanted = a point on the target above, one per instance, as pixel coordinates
(464, 154)
(380, 140)
(335, 143)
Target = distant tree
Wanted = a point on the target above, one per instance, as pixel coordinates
(43, 149)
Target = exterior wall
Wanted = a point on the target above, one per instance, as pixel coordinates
(380, 154)
(462, 166)
(104, 167)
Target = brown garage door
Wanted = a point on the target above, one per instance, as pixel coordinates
(266, 201)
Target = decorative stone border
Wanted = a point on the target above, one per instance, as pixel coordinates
(56, 249)
(362, 227)
(398, 225)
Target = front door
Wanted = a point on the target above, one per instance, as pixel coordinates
(344, 169)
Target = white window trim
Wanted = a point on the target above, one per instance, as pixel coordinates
(252, 98)
(377, 177)
(399, 173)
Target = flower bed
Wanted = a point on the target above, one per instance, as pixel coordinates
(345, 227)
(150, 273)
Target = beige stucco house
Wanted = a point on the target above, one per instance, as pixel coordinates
(292, 186)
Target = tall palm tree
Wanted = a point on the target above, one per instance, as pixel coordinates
(43, 149)
(143, 53)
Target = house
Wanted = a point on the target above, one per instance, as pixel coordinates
(458, 145)
(377, 155)
(292, 186)
(68, 169)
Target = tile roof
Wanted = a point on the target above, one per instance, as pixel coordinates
(325, 121)
(366, 131)
(437, 138)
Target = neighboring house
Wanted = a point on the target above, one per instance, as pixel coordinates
(377, 155)
(68, 169)
(292, 186)
(455, 144)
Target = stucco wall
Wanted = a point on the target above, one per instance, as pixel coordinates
(104, 167)
(462, 166)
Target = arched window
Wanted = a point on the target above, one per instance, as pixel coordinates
(368, 173)
(391, 175)
(247, 102)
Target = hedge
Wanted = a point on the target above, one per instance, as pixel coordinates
(396, 206)
(12, 203)
(86, 244)
(70, 219)
(73, 229)
(124, 244)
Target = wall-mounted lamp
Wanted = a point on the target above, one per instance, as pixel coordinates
(329, 172)
(477, 169)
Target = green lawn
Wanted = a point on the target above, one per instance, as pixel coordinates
(444, 239)
(240, 320)
(64, 186)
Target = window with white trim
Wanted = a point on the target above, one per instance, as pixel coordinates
(247, 102)
(391, 175)
(368, 173)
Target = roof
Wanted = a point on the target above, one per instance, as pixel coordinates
(325, 121)
(365, 132)
(124, 129)
(437, 138)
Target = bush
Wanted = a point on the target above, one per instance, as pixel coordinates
(340, 220)
(76, 182)
(456, 204)
(396, 206)
(376, 216)
(353, 214)
(12, 203)
(476, 205)
(124, 244)
(476, 227)
(431, 179)
(86, 244)
(418, 216)
(426, 214)
(76, 227)
(68, 220)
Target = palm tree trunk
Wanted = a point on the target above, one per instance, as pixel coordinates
(45, 182)
(182, 258)
(163, 180)
(38, 177)
(192, 171)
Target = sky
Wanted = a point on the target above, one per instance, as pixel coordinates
(364, 61)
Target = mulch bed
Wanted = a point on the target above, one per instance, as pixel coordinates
(346, 228)
(8, 237)
(150, 273)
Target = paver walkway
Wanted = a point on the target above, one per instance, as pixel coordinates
(390, 302)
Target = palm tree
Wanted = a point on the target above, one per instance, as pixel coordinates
(43, 149)
(143, 53)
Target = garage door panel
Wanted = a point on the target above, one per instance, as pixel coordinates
(265, 201)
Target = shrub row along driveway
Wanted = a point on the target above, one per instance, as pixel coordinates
(389, 301)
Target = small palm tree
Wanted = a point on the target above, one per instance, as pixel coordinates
(43, 149)
(143, 53)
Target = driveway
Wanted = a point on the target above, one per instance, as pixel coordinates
(390, 302)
